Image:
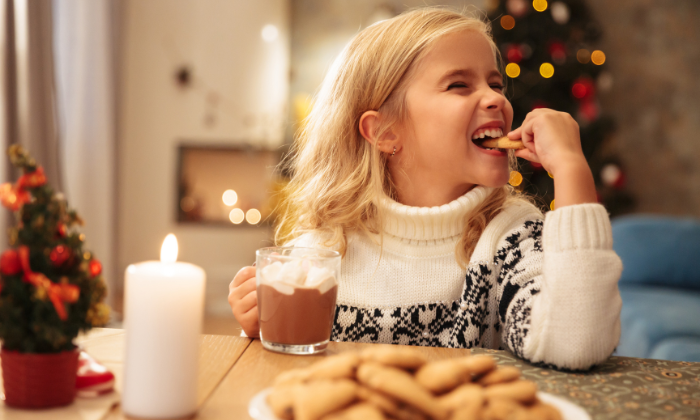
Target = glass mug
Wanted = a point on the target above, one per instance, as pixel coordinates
(297, 290)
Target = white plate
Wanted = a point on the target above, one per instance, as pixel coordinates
(259, 410)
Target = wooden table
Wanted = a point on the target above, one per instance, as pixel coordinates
(234, 369)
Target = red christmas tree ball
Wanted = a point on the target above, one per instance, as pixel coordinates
(515, 54)
(558, 52)
(9, 263)
(95, 268)
(583, 88)
(59, 255)
(62, 230)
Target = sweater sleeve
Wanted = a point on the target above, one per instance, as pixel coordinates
(559, 302)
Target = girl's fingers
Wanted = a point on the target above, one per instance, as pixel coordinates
(244, 289)
(527, 155)
(515, 134)
(243, 274)
(248, 303)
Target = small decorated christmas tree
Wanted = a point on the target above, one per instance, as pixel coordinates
(51, 288)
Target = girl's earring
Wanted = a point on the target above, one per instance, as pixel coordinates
(394, 152)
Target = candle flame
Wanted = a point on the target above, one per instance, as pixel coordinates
(168, 252)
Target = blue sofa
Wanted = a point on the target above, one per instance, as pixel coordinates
(660, 287)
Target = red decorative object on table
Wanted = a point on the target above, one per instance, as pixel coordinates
(94, 379)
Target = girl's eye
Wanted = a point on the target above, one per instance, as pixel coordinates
(497, 86)
(456, 85)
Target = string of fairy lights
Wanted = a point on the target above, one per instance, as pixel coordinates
(597, 57)
(515, 53)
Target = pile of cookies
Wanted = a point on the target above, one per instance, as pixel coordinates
(392, 382)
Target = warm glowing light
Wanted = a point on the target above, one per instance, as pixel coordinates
(230, 197)
(253, 216)
(540, 5)
(270, 33)
(551, 205)
(513, 70)
(236, 216)
(515, 179)
(583, 56)
(168, 252)
(598, 57)
(508, 22)
(547, 70)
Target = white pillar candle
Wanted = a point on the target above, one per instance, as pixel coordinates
(164, 305)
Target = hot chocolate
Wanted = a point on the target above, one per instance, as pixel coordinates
(296, 302)
(303, 317)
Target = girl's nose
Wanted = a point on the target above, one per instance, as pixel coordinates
(493, 100)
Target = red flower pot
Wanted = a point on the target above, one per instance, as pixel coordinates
(34, 380)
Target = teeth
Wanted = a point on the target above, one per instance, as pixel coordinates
(487, 132)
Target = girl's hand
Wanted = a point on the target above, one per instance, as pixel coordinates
(243, 298)
(552, 139)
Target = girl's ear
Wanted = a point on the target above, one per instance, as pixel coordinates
(369, 124)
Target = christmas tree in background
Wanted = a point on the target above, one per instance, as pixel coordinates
(50, 288)
(551, 62)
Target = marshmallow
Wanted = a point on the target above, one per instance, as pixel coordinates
(292, 273)
(285, 276)
(283, 288)
(271, 272)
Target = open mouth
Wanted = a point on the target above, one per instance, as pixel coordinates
(483, 134)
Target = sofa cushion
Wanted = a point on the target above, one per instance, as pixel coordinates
(660, 251)
(685, 349)
(652, 314)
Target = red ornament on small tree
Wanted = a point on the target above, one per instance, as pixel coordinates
(9, 263)
(95, 268)
(60, 255)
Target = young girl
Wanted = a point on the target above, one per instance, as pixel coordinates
(437, 249)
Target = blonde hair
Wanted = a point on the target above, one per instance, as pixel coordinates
(337, 176)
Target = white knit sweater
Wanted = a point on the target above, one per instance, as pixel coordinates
(546, 290)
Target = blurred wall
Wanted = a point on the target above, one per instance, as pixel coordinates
(653, 52)
(321, 28)
(237, 94)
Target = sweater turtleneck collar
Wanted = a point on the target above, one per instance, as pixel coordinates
(430, 223)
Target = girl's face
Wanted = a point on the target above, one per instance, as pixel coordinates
(456, 94)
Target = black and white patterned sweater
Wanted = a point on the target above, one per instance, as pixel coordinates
(544, 288)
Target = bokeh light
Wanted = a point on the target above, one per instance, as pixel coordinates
(508, 22)
(270, 33)
(551, 205)
(547, 70)
(236, 216)
(253, 216)
(230, 197)
(540, 5)
(515, 178)
(513, 70)
(583, 56)
(598, 57)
